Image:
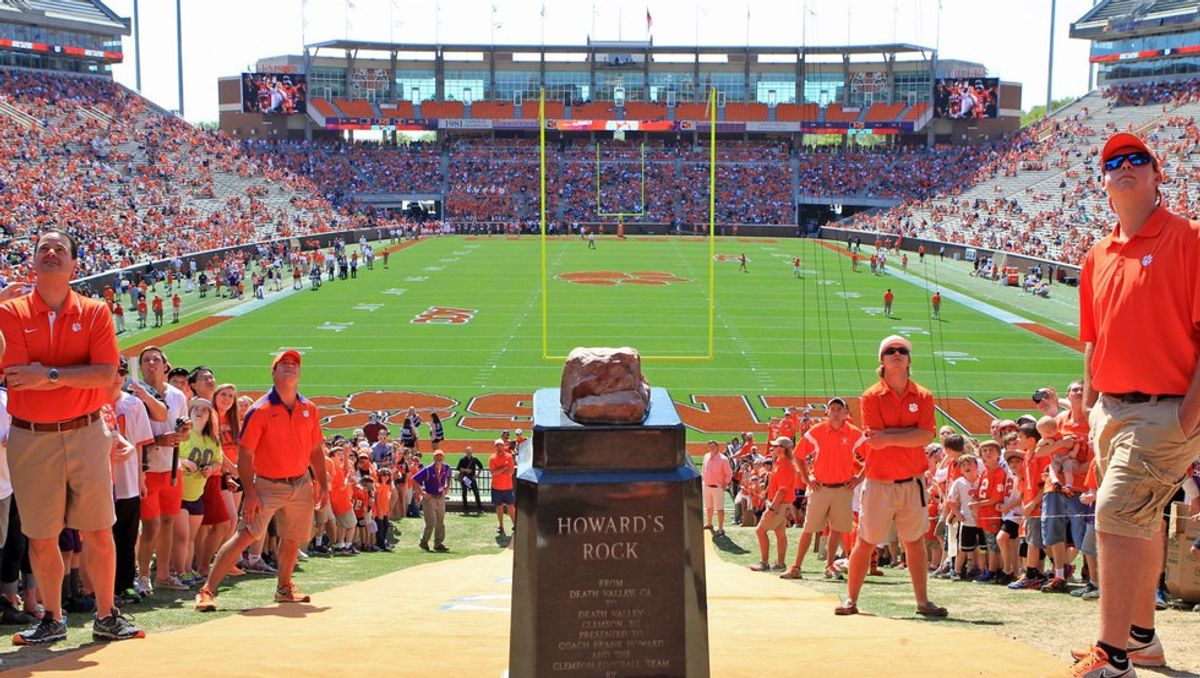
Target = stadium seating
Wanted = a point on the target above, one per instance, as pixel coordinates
(884, 112)
(442, 109)
(325, 108)
(918, 109)
(645, 110)
(492, 110)
(397, 109)
(1038, 192)
(745, 112)
(694, 111)
(356, 108)
(131, 183)
(554, 109)
(598, 110)
(835, 113)
(797, 112)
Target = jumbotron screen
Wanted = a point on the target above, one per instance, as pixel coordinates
(274, 93)
(966, 98)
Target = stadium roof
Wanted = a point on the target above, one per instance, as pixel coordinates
(633, 47)
(86, 15)
(1112, 18)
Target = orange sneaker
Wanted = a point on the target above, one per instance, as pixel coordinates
(290, 594)
(1095, 665)
(205, 601)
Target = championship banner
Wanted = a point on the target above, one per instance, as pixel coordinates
(463, 123)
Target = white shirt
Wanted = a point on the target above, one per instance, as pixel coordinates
(960, 493)
(134, 423)
(5, 424)
(160, 455)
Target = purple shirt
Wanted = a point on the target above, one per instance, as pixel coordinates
(432, 481)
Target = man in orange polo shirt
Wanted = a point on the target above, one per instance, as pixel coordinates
(898, 416)
(281, 444)
(834, 447)
(1139, 318)
(60, 356)
(503, 465)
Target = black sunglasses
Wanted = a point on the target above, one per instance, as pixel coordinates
(1137, 159)
(895, 349)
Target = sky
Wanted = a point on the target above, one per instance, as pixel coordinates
(225, 37)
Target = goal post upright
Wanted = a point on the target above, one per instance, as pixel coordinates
(542, 213)
(712, 219)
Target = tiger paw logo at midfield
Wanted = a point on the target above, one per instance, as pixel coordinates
(613, 278)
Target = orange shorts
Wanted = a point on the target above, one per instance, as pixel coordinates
(162, 498)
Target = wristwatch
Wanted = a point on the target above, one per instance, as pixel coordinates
(52, 375)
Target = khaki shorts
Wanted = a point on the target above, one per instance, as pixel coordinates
(714, 497)
(1142, 458)
(291, 504)
(775, 519)
(829, 506)
(62, 479)
(885, 504)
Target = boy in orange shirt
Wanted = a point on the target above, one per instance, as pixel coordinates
(990, 497)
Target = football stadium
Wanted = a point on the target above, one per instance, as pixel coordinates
(419, 233)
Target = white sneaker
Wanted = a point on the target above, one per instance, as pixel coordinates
(1146, 654)
(300, 554)
(144, 586)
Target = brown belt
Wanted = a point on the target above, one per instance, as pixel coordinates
(59, 426)
(1137, 397)
(287, 481)
(834, 485)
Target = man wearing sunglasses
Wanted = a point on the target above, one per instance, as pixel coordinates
(898, 419)
(1139, 317)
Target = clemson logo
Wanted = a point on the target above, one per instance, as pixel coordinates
(613, 278)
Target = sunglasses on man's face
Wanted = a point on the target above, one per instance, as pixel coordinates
(895, 349)
(1137, 159)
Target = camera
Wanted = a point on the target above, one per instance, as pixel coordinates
(1039, 395)
(181, 423)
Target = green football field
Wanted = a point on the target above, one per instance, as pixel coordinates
(455, 325)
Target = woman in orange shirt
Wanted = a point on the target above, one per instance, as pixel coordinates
(781, 492)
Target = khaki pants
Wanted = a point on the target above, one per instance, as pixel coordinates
(434, 511)
(1142, 458)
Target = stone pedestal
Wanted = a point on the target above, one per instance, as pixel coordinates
(608, 573)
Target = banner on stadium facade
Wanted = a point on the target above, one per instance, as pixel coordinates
(515, 123)
(380, 124)
(611, 125)
(463, 123)
(274, 93)
(61, 49)
(966, 98)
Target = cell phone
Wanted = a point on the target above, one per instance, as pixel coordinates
(181, 423)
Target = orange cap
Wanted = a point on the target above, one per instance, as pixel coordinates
(291, 354)
(1124, 140)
